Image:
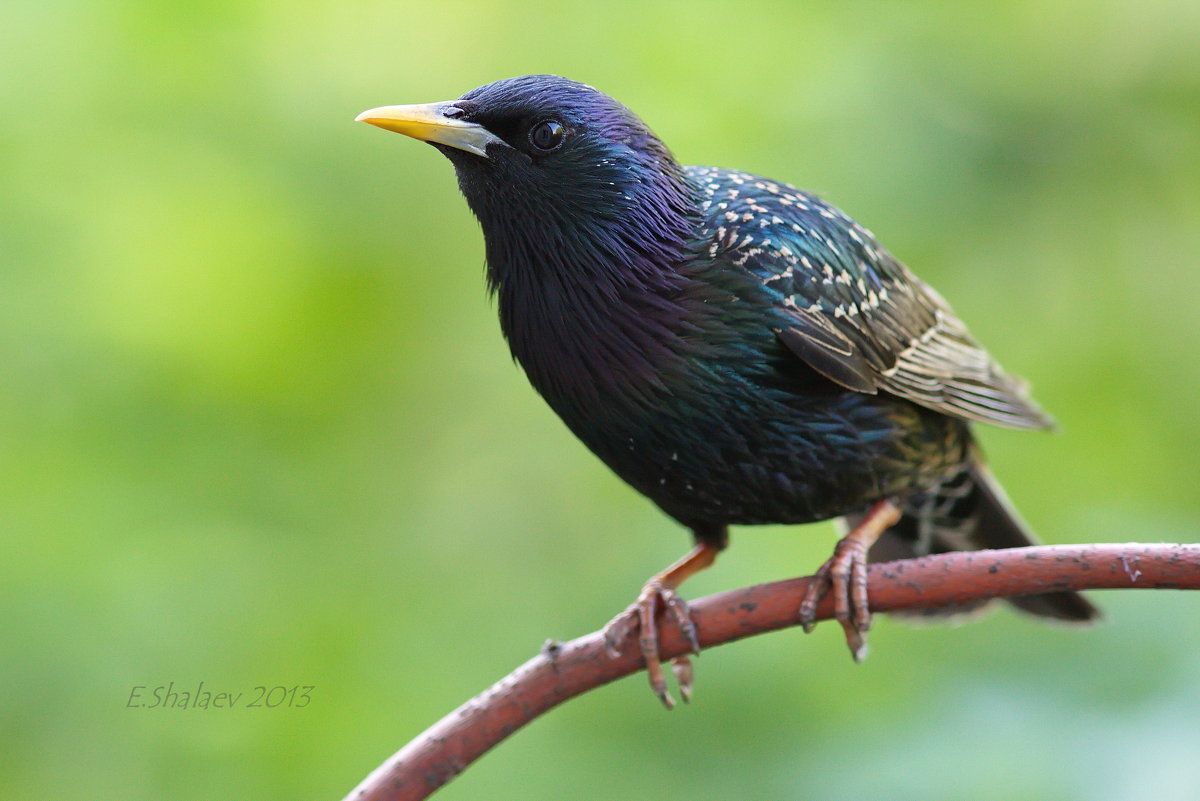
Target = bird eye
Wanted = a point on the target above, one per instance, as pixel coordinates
(547, 135)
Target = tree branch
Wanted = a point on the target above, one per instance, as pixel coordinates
(564, 670)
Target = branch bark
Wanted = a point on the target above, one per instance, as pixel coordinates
(564, 670)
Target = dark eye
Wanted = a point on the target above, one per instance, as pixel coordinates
(547, 135)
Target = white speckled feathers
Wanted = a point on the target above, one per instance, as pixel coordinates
(848, 308)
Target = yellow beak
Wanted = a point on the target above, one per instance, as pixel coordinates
(429, 123)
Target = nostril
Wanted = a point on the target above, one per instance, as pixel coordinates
(459, 109)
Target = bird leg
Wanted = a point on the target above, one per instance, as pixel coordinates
(846, 575)
(657, 595)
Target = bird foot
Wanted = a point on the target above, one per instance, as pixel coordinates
(845, 575)
(642, 614)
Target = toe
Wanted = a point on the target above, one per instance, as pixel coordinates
(683, 618)
(681, 666)
(817, 587)
(618, 629)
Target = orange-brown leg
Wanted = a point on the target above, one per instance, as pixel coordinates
(659, 594)
(845, 574)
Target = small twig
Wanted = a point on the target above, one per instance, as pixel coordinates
(565, 670)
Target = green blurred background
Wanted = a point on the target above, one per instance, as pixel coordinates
(258, 425)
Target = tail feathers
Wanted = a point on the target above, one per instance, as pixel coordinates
(999, 526)
(966, 513)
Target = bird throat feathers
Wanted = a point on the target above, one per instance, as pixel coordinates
(583, 257)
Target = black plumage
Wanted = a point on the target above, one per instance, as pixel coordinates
(737, 350)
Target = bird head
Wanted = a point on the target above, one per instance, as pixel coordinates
(552, 168)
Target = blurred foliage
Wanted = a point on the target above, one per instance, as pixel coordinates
(258, 426)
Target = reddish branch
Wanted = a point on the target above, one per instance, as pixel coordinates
(565, 670)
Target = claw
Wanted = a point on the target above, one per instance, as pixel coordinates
(683, 617)
(643, 613)
(845, 575)
(819, 585)
(658, 595)
(681, 666)
(617, 630)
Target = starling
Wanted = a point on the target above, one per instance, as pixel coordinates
(737, 350)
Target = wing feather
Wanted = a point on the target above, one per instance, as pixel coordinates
(850, 310)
